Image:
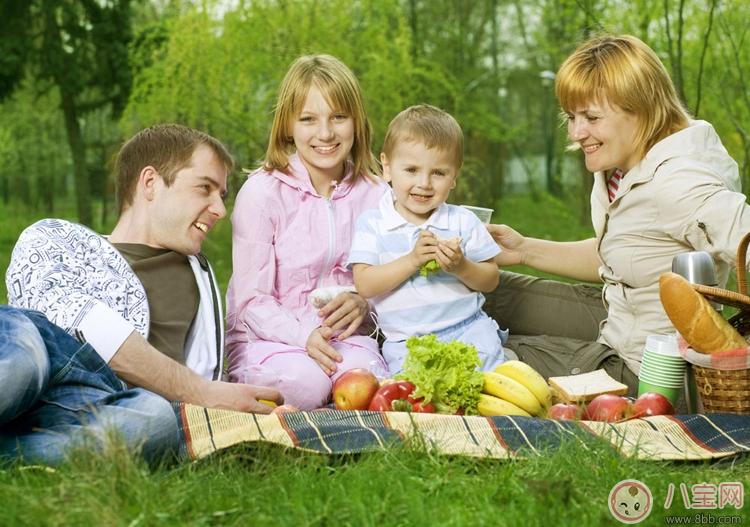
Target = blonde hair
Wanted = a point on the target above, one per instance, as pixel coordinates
(622, 70)
(433, 126)
(168, 148)
(341, 90)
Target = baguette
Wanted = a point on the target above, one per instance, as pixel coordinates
(700, 325)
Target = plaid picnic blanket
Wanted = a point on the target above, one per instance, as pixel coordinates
(682, 437)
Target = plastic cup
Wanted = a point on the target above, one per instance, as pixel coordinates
(670, 393)
(482, 213)
(665, 345)
(661, 359)
(662, 381)
(670, 374)
(662, 367)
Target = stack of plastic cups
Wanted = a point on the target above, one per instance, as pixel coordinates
(662, 368)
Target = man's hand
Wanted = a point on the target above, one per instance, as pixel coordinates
(424, 250)
(346, 310)
(321, 351)
(511, 242)
(241, 397)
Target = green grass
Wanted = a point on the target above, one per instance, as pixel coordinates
(268, 485)
(549, 218)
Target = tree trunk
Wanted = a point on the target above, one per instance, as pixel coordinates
(78, 153)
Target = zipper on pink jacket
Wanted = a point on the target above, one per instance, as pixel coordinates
(331, 236)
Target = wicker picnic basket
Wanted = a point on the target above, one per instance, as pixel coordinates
(728, 390)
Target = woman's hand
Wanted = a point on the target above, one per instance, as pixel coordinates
(346, 310)
(321, 351)
(511, 242)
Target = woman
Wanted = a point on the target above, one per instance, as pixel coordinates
(663, 184)
(292, 228)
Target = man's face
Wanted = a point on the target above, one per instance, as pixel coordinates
(182, 214)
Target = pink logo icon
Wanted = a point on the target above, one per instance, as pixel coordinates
(630, 501)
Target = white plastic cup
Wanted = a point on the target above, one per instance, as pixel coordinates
(482, 213)
(663, 345)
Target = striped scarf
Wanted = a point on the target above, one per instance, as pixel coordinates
(613, 183)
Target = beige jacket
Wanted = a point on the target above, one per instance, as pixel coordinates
(684, 195)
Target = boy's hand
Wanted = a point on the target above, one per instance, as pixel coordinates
(424, 250)
(449, 255)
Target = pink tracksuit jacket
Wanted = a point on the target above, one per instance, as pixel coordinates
(288, 240)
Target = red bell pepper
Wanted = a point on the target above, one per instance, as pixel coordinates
(396, 397)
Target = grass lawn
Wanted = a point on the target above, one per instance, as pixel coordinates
(267, 485)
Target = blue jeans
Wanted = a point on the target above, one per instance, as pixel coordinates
(57, 394)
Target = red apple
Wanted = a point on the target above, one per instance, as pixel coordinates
(355, 389)
(652, 404)
(607, 407)
(285, 408)
(564, 412)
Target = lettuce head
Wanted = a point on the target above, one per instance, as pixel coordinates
(444, 373)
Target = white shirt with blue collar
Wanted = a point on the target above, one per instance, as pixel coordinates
(420, 305)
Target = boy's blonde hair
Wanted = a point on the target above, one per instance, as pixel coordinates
(168, 148)
(341, 90)
(434, 127)
(623, 71)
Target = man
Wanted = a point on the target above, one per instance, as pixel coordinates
(143, 306)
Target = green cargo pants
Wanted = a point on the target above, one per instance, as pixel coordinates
(554, 326)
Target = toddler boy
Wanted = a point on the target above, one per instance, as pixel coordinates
(413, 225)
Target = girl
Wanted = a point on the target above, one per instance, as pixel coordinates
(292, 226)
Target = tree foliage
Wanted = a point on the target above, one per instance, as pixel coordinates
(79, 49)
(216, 65)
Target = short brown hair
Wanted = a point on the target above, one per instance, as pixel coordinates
(433, 126)
(166, 147)
(339, 86)
(623, 71)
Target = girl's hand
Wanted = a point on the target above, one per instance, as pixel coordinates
(346, 310)
(424, 250)
(511, 243)
(321, 351)
(449, 255)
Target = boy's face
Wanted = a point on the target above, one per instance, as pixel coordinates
(421, 177)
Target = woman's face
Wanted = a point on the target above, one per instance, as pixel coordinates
(606, 134)
(323, 137)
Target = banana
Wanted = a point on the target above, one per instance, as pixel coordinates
(490, 405)
(512, 391)
(528, 376)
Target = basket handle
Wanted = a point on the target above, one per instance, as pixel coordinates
(741, 259)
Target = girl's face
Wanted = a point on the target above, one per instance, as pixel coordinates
(323, 137)
(606, 135)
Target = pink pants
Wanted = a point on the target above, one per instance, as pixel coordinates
(290, 370)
